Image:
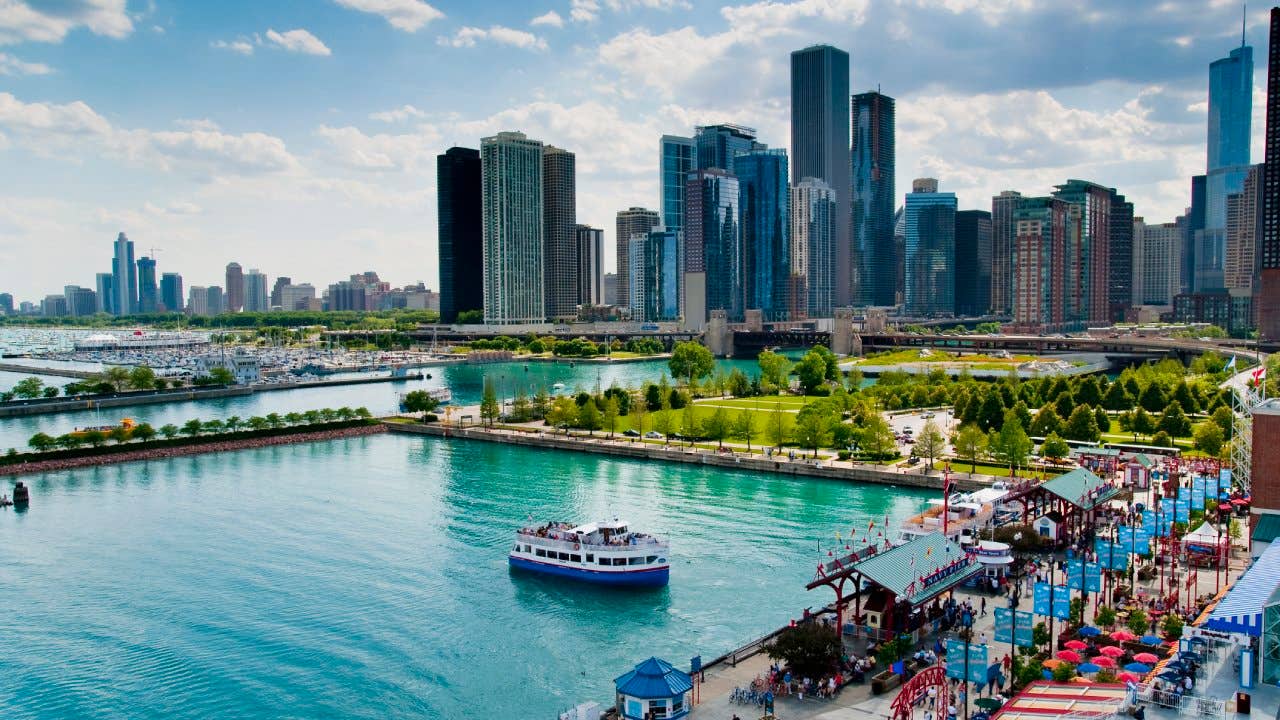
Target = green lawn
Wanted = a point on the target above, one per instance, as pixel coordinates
(912, 357)
(791, 403)
(962, 466)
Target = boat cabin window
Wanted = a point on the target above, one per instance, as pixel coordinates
(591, 558)
(651, 559)
(527, 549)
(575, 557)
(564, 556)
(540, 552)
(604, 561)
(635, 561)
(619, 561)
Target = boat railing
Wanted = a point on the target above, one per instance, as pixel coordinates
(547, 542)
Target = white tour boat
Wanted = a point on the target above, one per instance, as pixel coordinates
(606, 553)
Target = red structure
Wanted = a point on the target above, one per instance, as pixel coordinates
(904, 706)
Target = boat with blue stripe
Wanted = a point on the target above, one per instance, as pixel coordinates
(605, 553)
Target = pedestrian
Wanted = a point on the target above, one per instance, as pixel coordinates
(984, 608)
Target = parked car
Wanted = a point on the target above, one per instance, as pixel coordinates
(653, 435)
(631, 433)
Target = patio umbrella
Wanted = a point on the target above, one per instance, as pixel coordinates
(1069, 655)
(987, 703)
(1150, 640)
(1111, 651)
(1088, 668)
(1090, 632)
(1104, 661)
(1128, 677)
(1051, 664)
(1123, 635)
(1224, 507)
(1075, 645)
(1146, 658)
(1138, 667)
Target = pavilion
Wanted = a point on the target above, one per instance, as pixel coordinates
(1075, 496)
(654, 688)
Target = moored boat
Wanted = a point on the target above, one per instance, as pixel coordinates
(606, 553)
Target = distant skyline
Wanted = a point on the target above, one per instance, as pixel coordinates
(300, 136)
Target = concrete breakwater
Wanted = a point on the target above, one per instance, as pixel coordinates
(778, 465)
(195, 446)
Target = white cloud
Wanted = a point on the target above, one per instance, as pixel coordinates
(589, 10)
(407, 15)
(469, 36)
(241, 46)
(551, 18)
(397, 115)
(299, 41)
(356, 150)
(20, 22)
(10, 65)
(584, 10)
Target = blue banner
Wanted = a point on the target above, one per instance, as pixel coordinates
(977, 661)
(1005, 626)
(1086, 576)
(977, 664)
(1224, 481)
(1061, 601)
(1182, 510)
(1198, 487)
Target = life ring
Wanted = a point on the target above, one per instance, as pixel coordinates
(575, 546)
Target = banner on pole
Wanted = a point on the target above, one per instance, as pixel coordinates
(1005, 627)
(1087, 578)
(1061, 601)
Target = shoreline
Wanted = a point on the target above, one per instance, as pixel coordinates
(194, 448)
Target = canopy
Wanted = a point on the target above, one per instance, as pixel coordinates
(1205, 534)
(1081, 488)
(654, 679)
(920, 569)
(1241, 610)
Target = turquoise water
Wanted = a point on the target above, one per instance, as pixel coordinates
(367, 578)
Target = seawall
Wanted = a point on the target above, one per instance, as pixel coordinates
(831, 470)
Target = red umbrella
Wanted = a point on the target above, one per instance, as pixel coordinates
(1127, 677)
(1123, 635)
(1075, 645)
(1104, 661)
(1224, 507)
(1070, 656)
(1111, 651)
(1148, 658)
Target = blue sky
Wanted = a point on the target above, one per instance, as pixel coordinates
(299, 136)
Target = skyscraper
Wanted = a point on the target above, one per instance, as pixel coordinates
(872, 280)
(812, 286)
(148, 289)
(973, 263)
(820, 141)
(512, 210)
(1088, 248)
(1039, 283)
(590, 257)
(1194, 227)
(124, 277)
(1003, 234)
(277, 287)
(713, 246)
(1230, 114)
(1244, 218)
(106, 293)
(234, 295)
(1268, 305)
(764, 215)
(632, 221)
(718, 145)
(676, 158)
(171, 292)
(654, 265)
(461, 247)
(559, 233)
(930, 250)
(1120, 262)
(256, 298)
(1157, 255)
(81, 302)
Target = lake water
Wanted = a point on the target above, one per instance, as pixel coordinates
(367, 578)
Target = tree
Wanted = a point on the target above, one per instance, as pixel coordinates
(718, 426)
(69, 441)
(639, 409)
(1174, 421)
(1182, 394)
(142, 378)
(222, 376)
(877, 439)
(119, 435)
(233, 423)
(95, 437)
(1088, 392)
(1064, 405)
(1209, 438)
(1011, 444)
(41, 442)
(274, 420)
(739, 384)
(654, 396)
(420, 401)
(50, 391)
(489, 409)
(814, 424)
(589, 417)
(143, 432)
(1024, 414)
(563, 413)
(970, 443)
(991, 411)
(1046, 422)
(691, 360)
(664, 421)
(611, 414)
(258, 423)
(1224, 418)
(809, 649)
(192, 427)
(1153, 398)
(292, 418)
(1162, 439)
(1117, 398)
(774, 369)
(812, 371)
(1139, 623)
(1103, 419)
(777, 426)
(931, 443)
(1054, 447)
(28, 387)
(743, 427)
(1082, 425)
(1141, 423)
(169, 431)
(541, 402)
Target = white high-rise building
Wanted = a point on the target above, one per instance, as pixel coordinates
(511, 215)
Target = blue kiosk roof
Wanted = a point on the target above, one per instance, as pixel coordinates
(654, 679)
(1241, 610)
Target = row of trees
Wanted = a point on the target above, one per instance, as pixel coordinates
(576, 347)
(112, 380)
(403, 320)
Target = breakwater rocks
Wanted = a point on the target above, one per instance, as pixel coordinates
(777, 465)
(195, 446)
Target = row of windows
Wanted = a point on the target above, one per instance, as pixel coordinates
(591, 558)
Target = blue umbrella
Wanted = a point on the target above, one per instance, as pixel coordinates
(1090, 631)
(1088, 668)
(1137, 668)
(1149, 640)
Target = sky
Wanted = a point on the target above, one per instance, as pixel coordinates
(299, 136)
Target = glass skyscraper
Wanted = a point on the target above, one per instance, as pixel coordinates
(973, 263)
(560, 233)
(873, 280)
(1230, 114)
(717, 145)
(629, 222)
(676, 161)
(171, 292)
(654, 266)
(820, 142)
(930, 250)
(511, 201)
(458, 219)
(713, 243)
(148, 289)
(813, 211)
(763, 210)
(124, 277)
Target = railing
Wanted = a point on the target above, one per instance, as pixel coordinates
(572, 545)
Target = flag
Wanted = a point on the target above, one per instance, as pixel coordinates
(1259, 375)
(1231, 364)
(928, 552)
(871, 525)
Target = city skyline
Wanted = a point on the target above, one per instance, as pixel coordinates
(302, 182)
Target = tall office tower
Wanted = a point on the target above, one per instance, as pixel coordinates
(81, 302)
(205, 301)
(1157, 253)
(171, 292)
(458, 214)
(676, 157)
(1244, 222)
(559, 233)
(930, 260)
(54, 306)
(105, 286)
(763, 212)
(124, 277)
(297, 297)
(899, 254)
(813, 215)
(1003, 233)
(610, 288)
(1194, 227)
(1230, 114)
(1039, 287)
(256, 298)
(1088, 247)
(632, 221)
(873, 280)
(654, 261)
(973, 263)
(1268, 304)
(717, 145)
(148, 289)
(1120, 261)
(278, 286)
(712, 247)
(590, 255)
(6, 304)
(820, 144)
(512, 208)
(234, 294)
(348, 295)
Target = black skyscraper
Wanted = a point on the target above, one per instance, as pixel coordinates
(973, 263)
(1120, 268)
(873, 261)
(461, 247)
(1268, 305)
